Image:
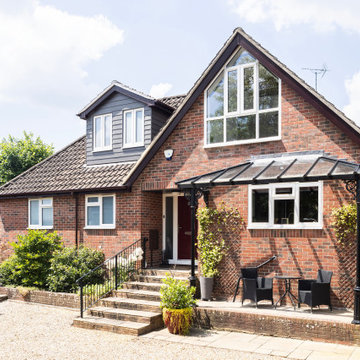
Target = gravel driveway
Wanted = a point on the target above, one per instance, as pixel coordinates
(31, 331)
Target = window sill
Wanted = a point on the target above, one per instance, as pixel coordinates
(285, 227)
(133, 146)
(40, 227)
(242, 142)
(102, 149)
(99, 227)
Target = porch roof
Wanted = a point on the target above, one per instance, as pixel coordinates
(274, 168)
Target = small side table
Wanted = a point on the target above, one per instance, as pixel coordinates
(288, 292)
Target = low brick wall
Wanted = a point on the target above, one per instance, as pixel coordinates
(300, 328)
(43, 297)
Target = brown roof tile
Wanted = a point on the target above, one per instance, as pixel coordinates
(67, 171)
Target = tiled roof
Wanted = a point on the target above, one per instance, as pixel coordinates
(173, 101)
(67, 171)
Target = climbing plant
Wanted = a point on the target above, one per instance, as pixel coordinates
(344, 223)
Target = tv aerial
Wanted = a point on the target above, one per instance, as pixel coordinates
(318, 72)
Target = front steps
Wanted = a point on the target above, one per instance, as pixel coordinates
(134, 309)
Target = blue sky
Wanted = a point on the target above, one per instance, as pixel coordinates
(60, 54)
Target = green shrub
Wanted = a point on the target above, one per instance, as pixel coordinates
(8, 273)
(176, 294)
(69, 264)
(33, 253)
(344, 222)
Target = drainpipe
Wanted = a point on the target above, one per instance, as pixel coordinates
(76, 220)
(357, 286)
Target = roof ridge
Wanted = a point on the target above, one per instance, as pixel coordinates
(40, 163)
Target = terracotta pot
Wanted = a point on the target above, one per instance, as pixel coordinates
(178, 321)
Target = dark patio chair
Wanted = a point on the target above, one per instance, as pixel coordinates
(316, 292)
(256, 288)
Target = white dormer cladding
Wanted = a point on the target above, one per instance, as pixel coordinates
(242, 104)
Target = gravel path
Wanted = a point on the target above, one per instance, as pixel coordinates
(31, 331)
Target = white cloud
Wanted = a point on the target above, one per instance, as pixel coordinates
(352, 110)
(44, 51)
(323, 15)
(159, 90)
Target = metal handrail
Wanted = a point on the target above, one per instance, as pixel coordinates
(106, 277)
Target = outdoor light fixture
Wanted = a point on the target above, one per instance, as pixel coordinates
(168, 154)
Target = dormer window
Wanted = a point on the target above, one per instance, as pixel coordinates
(133, 128)
(102, 132)
(242, 104)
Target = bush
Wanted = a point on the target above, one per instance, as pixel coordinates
(344, 222)
(69, 264)
(176, 294)
(8, 274)
(31, 262)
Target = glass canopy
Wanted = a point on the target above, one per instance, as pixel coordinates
(277, 168)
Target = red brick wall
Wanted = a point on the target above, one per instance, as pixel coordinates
(300, 252)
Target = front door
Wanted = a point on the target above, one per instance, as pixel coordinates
(176, 229)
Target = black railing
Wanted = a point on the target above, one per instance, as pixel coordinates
(106, 277)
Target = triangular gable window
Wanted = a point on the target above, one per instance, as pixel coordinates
(242, 104)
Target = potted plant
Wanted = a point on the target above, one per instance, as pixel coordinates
(177, 301)
(210, 243)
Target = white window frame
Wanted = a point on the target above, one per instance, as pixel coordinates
(41, 206)
(240, 105)
(296, 196)
(133, 143)
(102, 133)
(100, 204)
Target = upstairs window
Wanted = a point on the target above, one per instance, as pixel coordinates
(100, 211)
(103, 132)
(41, 213)
(134, 128)
(281, 206)
(242, 104)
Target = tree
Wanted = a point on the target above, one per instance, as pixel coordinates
(18, 155)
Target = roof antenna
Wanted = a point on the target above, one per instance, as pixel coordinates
(317, 72)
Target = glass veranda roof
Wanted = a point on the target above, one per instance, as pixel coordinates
(300, 166)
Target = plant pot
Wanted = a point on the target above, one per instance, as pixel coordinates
(206, 287)
(178, 321)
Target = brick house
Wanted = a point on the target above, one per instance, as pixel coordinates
(123, 179)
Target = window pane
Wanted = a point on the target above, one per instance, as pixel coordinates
(169, 228)
(309, 206)
(128, 128)
(248, 88)
(107, 139)
(241, 57)
(46, 202)
(93, 215)
(283, 191)
(215, 98)
(215, 131)
(269, 124)
(47, 216)
(240, 128)
(268, 89)
(139, 126)
(92, 199)
(260, 205)
(108, 210)
(34, 212)
(97, 135)
(284, 212)
(232, 91)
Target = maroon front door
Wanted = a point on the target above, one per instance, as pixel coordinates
(184, 226)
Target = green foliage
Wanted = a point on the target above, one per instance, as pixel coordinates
(178, 321)
(210, 243)
(69, 264)
(344, 222)
(33, 253)
(176, 294)
(8, 274)
(18, 155)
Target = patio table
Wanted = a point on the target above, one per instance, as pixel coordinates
(288, 292)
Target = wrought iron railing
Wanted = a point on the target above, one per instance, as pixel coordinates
(106, 277)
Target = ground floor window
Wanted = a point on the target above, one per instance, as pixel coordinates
(100, 211)
(41, 213)
(291, 205)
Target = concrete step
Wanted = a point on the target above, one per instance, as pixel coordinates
(3, 298)
(116, 326)
(154, 278)
(132, 304)
(145, 317)
(163, 272)
(137, 285)
(137, 294)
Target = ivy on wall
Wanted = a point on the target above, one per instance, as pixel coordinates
(344, 223)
